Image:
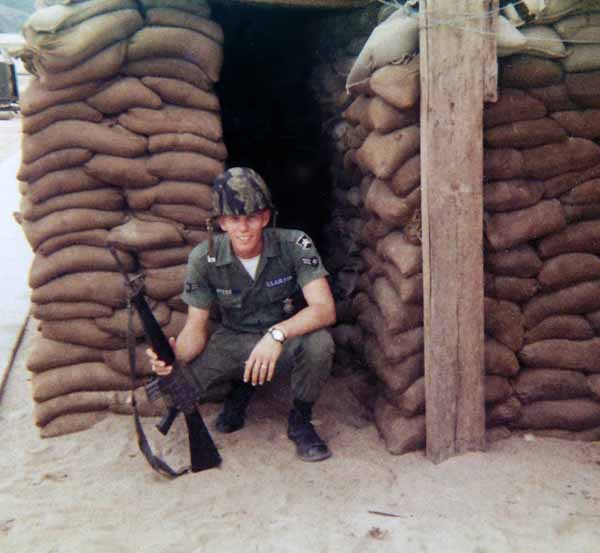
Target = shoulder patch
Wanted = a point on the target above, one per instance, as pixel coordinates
(304, 242)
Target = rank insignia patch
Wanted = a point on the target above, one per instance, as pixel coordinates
(312, 261)
(304, 242)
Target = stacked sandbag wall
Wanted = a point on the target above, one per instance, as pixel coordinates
(121, 140)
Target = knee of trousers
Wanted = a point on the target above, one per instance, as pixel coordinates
(314, 360)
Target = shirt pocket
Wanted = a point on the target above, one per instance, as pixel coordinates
(232, 301)
(282, 291)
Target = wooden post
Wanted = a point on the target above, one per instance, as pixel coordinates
(452, 96)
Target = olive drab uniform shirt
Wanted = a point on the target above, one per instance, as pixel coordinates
(288, 262)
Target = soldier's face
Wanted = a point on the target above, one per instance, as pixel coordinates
(245, 232)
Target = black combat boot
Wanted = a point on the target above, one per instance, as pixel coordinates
(309, 446)
(233, 415)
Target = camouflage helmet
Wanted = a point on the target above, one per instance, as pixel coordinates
(240, 191)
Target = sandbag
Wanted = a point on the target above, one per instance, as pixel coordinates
(409, 289)
(585, 193)
(407, 177)
(401, 253)
(398, 317)
(505, 230)
(579, 27)
(503, 164)
(584, 88)
(37, 98)
(569, 414)
(117, 324)
(48, 354)
(509, 39)
(165, 257)
(383, 117)
(567, 327)
(95, 237)
(503, 413)
(82, 134)
(560, 184)
(75, 259)
(412, 401)
(168, 17)
(576, 213)
(54, 161)
(106, 288)
(574, 300)
(137, 235)
(61, 182)
(118, 360)
(397, 347)
(499, 359)
(355, 113)
(76, 402)
(582, 57)
(174, 91)
(164, 283)
(187, 142)
(511, 195)
(72, 110)
(400, 434)
(177, 42)
(71, 422)
(582, 123)
(80, 331)
(63, 311)
(568, 269)
(504, 322)
(185, 166)
(386, 205)
(524, 71)
(182, 213)
(120, 171)
(191, 193)
(172, 68)
(197, 7)
(524, 134)
(554, 97)
(513, 105)
(549, 384)
(399, 85)
(496, 388)
(543, 41)
(123, 94)
(580, 237)
(513, 289)
(583, 355)
(396, 376)
(550, 160)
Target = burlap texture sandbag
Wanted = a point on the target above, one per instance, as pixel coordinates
(72, 110)
(411, 402)
(398, 317)
(63, 311)
(496, 388)
(503, 413)
(580, 237)
(355, 113)
(71, 422)
(397, 347)
(177, 322)
(575, 300)
(386, 205)
(505, 230)
(585, 193)
(549, 384)
(569, 414)
(173, 119)
(101, 287)
(560, 184)
(503, 164)
(400, 434)
(582, 123)
(499, 359)
(576, 213)
(123, 94)
(117, 323)
(566, 327)
(186, 142)
(582, 355)
(95, 237)
(409, 289)
(37, 98)
(80, 331)
(82, 134)
(177, 43)
(48, 354)
(75, 259)
(407, 257)
(185, 166)
(579, 27)
(169, 17)
(574, 154)
(399, 85)
(76, 402)
(57, 183)
(171, 68)
(513, 105)
(513, 289)
(511, 195)
(554, 97)
(525, 134)
(196, 7)
(584, 88)
(355, 137)
(164, 283)
(582, 58)
(174, 91)
(137, 235)
(55, 161)
(543, 41)
(594, 385)
(568, 269)
(182, 213)
(594, 319)
(523, 71)
(88, 377)
(383, 117)
(118, 360)
(407, 177)
(504, 322)
(120, 171)
(190, 193)
(107, 199)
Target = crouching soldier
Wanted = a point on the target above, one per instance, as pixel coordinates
(252, 272)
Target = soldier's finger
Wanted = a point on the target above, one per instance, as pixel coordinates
(248, 370)
(150, 353)
(264, 370)
(271, 371)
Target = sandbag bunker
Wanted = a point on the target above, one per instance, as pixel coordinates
(123, 133)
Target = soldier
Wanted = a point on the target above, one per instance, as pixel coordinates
(253, 272)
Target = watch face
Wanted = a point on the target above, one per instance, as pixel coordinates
(277, 335)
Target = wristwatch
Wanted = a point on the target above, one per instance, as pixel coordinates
(277, 334)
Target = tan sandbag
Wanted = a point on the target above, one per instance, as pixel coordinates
(386, 205)
(95, 237)
(503, 413)
(399, 85)
(121, 404)
(584, 88)
(177, 42)
(582, 123)
(107, 199)
(137, 235)
(200, 8)
(76, 402)
(594, 319)
(82, 134)
(573, 154)
(71, 422)
(582, 58)
(75, 259)
(185, 214)
(579, 237)
(54, 161)
(511, 288)
(123, 94)
(397, 315)
(48, 354)
(80, 331)
(82, 377)
(121, 171)
(186, 142)
(407, 177)
(565, 327)
(505, 230)
(524, 134)
(509, 195)
(118, 360)
(503, 164)
(177, 322)
(168, 17)
(190, 193)
(560, 184)
(574, 300)
(400, 434)
(594, 385)
(584, 212)
(504, 322)
(570, 414)
(174, 91)
(398, 251)
(499, 359)
(554, 97)
(172, 68)
(585, 193)
(165, 257)
(355, 137)
(397, 347)
(579, 27)
(582, 355)
(63, 311)
(355, 113)
(37, 98)
(524, 71)
(101, 287)
(509, 39)
(164, 283)
(412, 401)
(173, 119)
(32, 124)
(383, 117)
(549, 384)
(543, 41)
(409, 289)
(61, 182)
(397, 376)
(496, 388)
(185, 166)
(568, 269)
(513, 105)
(117, 323)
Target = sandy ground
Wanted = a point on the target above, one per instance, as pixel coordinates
(93, 492)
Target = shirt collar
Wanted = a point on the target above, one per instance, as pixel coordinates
(225, 255)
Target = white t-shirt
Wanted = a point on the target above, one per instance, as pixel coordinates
(250, 265)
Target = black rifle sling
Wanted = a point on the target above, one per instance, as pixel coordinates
(154, 461)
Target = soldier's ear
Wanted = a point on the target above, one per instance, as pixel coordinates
(266, 217)
(222, 220)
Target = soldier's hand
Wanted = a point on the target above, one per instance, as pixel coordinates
(158, 366)
(260, 366)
